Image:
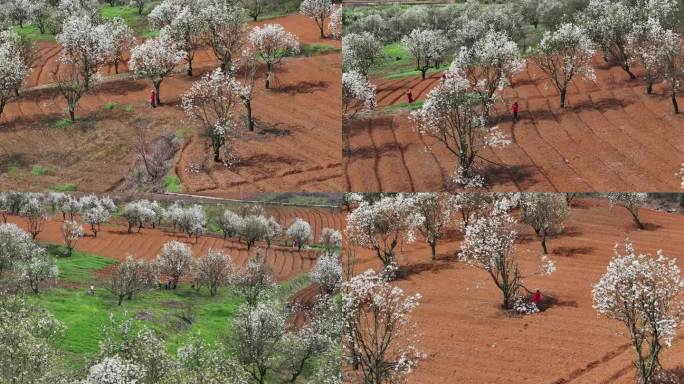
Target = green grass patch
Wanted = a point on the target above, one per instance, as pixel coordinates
(404, 106)
(130, 15)
(32, 32)
(84, 316)
(110, 106)
(301, 198)
(79, 267)
(38, 170)
(172, 184)
(128, 109)
(66, 187)
(398, 64)
(14, 170)
(318, 49)
(61, 123)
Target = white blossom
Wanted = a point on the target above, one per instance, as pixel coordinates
(272, 43)
(300, 233)
(155, 59)
(174, 261)
(643, 292)
(318, 11)
(357, 93)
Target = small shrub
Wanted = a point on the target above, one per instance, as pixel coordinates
(62, 123)
(172, 183)
(38, 170)
(128, 109)
(110, 106)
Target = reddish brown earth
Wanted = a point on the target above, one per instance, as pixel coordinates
(296, 145)
(114, 241)
(468, 339)
(611, 137)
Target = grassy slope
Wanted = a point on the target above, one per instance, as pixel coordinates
(85, 315)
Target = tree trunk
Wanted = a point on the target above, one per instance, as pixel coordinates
(130, 227)
(649, 88)
(190, 67)
(562, 97)
(433, 246)
(422, 73)
(72, 114)
(674, 103)
(322, 33)
(157, 85)
(116, 66)
(543, 242)
(248, 107)
(121, 297)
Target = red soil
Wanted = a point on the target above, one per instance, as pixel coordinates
(114, 241)
(612, 136)
(296, 146)
(468, 339)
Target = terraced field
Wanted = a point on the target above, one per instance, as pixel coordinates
(611, 137)
(466, 336)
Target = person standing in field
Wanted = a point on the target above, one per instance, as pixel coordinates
(536, 298)
(514, 109)
(153, 99)
(409, 96)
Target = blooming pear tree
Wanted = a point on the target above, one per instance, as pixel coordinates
(138, 213)
(379, 332)
(452, 116)
(631, 201)
(380, 226)
(86, 46)
(257, 333)
(112, 370)
(426, 46)
(174, 261)
(211, 100)
(273, 230)
(131, 277)
(489, 65)
(214, 270)
(155, 59)
(319, 11)
(72, 86)
(72, 232)
(609, 23)
(673, 53)
(489, 244)
(331, 238)
(226, 29)
(255, 280)
(430, 214)
(230, 223)
(13, 70)
(16, 247)
(123, 40)
(644, 293)
(139, 5)
(300, 233)
(328, 273)
(193, 221)
(272, 43)
(335, 23)
(35, 212)
(38, 269)
(358, 94)
(545, 213)
(254, 229)
(96, 216)
(185, 27)
(360, 51)
(27, 342)
(564, 53)
(646, 46)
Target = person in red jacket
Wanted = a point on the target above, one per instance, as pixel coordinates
(409, 96)
(536, 298)
(153, 99)
(514, 109)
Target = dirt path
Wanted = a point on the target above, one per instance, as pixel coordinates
(296, 146)
(466, 336)
(611, 137)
